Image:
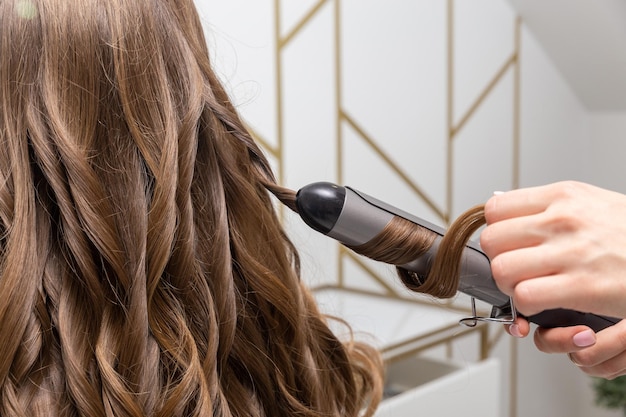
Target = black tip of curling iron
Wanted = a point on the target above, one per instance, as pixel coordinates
(320, 204)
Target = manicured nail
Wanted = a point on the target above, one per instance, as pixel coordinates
(584, 338)
(498, 192)
(515, 331)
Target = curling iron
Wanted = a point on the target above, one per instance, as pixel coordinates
(354, 218)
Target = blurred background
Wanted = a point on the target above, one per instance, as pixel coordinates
(432, 105)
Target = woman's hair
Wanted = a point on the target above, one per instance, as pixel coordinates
(143, 269)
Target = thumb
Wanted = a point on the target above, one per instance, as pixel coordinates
(564, 339)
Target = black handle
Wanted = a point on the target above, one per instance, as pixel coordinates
(562, 318)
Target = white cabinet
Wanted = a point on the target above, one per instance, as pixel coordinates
(424, 387)
(403, 330)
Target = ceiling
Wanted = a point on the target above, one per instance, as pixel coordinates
(586, 39)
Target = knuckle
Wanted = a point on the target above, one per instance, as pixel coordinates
(490, 210)
(497, 267)
(540, 342)
(499, 272)
(564, 215)
(587, 359)
(525, 300)
(567, 189)
(559, 220)
(486, 241)
(576, 250)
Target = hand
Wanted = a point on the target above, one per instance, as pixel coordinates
(560, 245)
(602, 354)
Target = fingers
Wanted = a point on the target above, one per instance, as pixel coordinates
(515, 233)
(510, 268)
(564, 339)
(531, 200)
(534, 296)
(557, 291)
(604, 354)
(517, 203)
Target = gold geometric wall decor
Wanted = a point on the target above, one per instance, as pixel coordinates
(345, 120)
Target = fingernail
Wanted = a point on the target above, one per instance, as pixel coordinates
(498, 192)
(584, 338)
(515, 331)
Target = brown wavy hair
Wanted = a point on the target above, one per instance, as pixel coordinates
(143, 269)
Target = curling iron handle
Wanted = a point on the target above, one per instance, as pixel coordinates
(562, 318)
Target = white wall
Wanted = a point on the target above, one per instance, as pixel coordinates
(555, 126)
(385, 66)
(607, 150)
